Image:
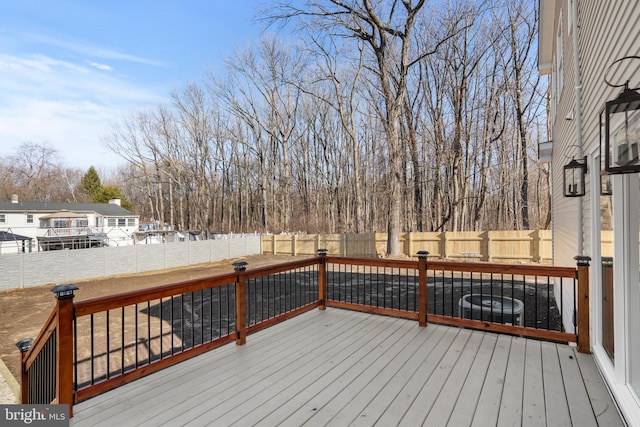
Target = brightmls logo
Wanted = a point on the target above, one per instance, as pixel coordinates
(34, 415)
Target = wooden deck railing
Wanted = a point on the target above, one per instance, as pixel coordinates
(92, 346)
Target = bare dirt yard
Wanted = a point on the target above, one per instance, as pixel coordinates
(24, 311)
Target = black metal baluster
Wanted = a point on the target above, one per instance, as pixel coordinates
(201, 320)
(108, 353)
(122, 345)
(535, 291)
(75, 352)
(378, 286)
(261, 301)
(548, 304)
(451, 300)
(92, 351)
(193, 338)
(171, 308)
(149, 331)
(161, 330)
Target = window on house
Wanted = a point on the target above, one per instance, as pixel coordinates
(121, 222)
(29, 218)
(111, 222)
(131, 222)
(3, 218)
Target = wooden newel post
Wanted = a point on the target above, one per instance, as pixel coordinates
(322, 279)
(24, 346)
(241, 303)
(422, 288)
(64, 344)
(584, 328)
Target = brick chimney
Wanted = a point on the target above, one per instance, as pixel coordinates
(14, 198)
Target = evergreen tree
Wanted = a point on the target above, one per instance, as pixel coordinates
(108, 192)
(91, 182)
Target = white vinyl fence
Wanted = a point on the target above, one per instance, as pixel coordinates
(26, 270)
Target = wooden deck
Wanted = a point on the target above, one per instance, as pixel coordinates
(338, 367)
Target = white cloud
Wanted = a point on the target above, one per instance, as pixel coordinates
(103, 67)
(67, 105)
(91, 50)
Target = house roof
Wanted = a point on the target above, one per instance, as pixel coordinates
(105, 209)
(63, 214)
(6, 236)
(546, 35)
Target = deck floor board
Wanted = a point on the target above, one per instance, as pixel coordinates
(339, 367)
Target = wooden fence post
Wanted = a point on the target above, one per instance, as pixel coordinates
(536, 256)
(294, 242)
(343, 243)
(444, 243)
(64, 344)
(584, 339)
(322, 279)
(241, 302)
(422, 288)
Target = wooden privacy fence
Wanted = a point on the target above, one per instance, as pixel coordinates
(91, 346)
(487, 246)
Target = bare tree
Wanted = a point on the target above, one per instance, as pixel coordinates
(387, 30)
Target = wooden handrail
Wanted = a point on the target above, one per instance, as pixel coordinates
(524, 269)
(111, 302)
(279, 268)
(373, 262)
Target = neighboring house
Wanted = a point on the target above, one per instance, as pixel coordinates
(579, 44)
(66, 225)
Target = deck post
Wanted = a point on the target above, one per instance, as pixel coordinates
(422, 288)
(241, 303)
(584, 339)
(64, 345)
(24, 346)
(322, 279)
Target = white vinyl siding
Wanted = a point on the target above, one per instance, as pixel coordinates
(559, 71)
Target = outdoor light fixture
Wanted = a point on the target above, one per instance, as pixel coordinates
(574, 178)
(240, 265)
(622, 132)
(622, 129)
(24, 345)
(64, 291)
(606, 189)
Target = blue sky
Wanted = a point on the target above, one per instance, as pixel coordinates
(70, 69)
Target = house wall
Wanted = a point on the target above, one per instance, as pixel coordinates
(55, 267)
(607, 31)
(16, 221)
(567, 231)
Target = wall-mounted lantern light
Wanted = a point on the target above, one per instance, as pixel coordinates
(622, 132)
(606, 189)
(574, 178)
